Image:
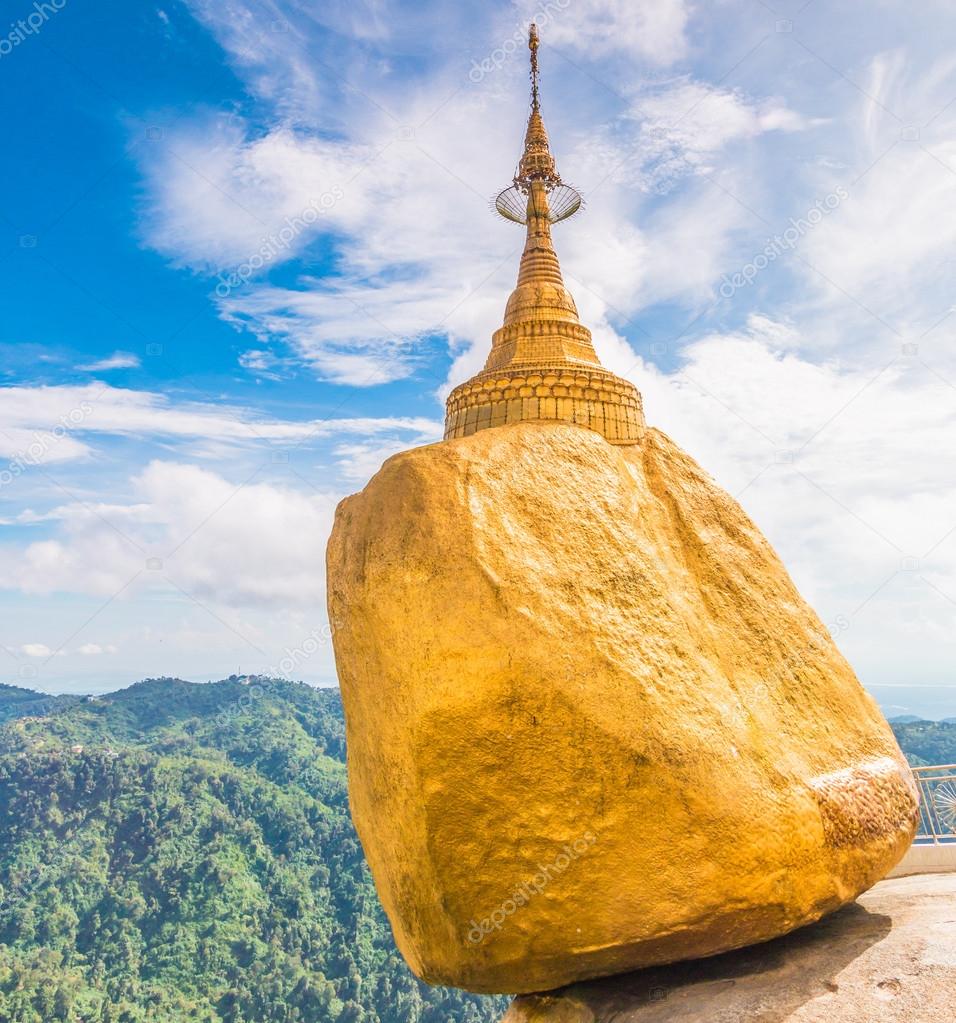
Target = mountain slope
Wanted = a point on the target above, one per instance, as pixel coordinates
(927, 742)
(178, 852)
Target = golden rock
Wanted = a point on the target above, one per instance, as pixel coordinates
(592, 726)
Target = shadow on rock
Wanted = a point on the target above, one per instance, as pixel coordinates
(766, 982)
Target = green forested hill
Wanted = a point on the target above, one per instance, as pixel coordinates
(927, 742)
(18, 703)
(181, 852)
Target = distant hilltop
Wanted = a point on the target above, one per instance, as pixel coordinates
(923, 740)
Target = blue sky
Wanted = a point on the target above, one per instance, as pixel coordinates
(246, 252)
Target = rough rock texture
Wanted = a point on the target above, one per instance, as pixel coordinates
(592, 726)
(889, 959)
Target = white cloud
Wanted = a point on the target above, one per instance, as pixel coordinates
(616, 268)
(673, 131)
(419, 255)
(356, 335)
(655, 30)
(685, 125)
(416, 254)
(267, 44)
(118, 360)
(359, 462)
(36, 650)
(262, 362)
(25, 446)
(218, 199)
(403, 210)
(192, 532)
(95, 649)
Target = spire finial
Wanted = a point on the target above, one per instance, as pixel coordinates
(536, 176)
(533, 46)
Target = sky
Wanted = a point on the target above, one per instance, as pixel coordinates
(246, 251)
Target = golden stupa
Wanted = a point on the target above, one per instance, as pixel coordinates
(542, 364)
(592, 725)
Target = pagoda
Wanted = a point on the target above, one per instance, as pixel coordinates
(542, 364)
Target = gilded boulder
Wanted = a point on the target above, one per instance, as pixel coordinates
(592, 726)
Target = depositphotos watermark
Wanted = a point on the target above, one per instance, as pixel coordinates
(43, 443)
(780, 243)
(496, 59)
(291, 659)
(317, 640)
(526, 891)
(275, 244)
(23, 28)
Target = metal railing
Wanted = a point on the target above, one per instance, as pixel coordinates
(937, 789)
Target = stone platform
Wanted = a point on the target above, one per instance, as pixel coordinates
(889, 958)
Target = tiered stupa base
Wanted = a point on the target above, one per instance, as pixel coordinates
(587, 396)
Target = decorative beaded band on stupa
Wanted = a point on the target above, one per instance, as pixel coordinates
(542, 364)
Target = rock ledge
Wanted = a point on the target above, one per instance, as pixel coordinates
(889, 958)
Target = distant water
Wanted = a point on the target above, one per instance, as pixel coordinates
(931, 702)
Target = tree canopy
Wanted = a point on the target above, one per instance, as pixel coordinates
(178, 852)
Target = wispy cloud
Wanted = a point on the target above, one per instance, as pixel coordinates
(888, 244)
(656, 32)
(118, 360)
(684, 126)
(122, 412)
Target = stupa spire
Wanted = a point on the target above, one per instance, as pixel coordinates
(542, 364)
(537, 163)
(533, 44)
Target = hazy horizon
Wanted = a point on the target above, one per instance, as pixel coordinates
(936, 706)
